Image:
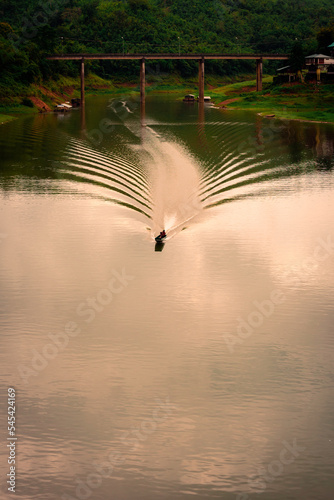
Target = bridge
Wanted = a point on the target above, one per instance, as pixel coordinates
(259, 58)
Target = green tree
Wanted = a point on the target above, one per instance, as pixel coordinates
(297, 57)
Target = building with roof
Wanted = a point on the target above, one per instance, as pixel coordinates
(284, 75)
(319, 60)
(320, 67)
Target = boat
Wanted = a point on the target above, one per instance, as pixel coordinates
(63, 107)
(206, 98)
(189, 98)
(160, 238)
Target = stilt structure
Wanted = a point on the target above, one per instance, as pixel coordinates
(258, 74)
(82, 74)
(201, 80)
(195, 57)
(142, 81)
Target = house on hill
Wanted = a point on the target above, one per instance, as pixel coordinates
(319, 60)
(320, 68)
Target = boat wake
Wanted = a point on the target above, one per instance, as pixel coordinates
(170, 174)
(174, 184)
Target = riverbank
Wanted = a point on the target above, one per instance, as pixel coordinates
(6, 118)
(295, 101)
(17, 100)
(43, 97)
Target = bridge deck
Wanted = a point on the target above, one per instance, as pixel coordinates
(274, 57)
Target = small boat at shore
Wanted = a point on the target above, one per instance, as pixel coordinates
(192, 98)
(63, 107)
(206, 98)
(189, 98)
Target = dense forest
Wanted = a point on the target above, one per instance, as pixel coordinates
(31, 29)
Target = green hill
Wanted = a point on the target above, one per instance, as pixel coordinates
(31, 29)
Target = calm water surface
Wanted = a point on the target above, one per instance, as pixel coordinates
(202, 369)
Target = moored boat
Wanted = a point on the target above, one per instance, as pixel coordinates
(206, 98)
(189, 98)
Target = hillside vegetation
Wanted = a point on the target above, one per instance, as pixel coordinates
(32, 29)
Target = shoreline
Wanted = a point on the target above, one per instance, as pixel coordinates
(282, 102)
(292, 119)
(6, 118)
(297, 102)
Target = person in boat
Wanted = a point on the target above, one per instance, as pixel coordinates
(162, 234)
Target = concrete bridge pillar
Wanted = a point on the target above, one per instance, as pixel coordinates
(82, 77)
(142, 81)
(258, 75)
(201, 80)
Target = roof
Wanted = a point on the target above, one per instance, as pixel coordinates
(317, 56)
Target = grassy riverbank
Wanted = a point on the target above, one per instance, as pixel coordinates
(289, 101)
(296, 101)
(6, 118)
(38, 97)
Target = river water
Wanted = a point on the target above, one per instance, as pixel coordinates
(202, 368)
